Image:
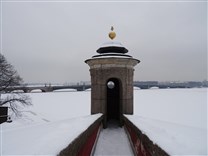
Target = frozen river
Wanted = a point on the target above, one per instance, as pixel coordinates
(178, 115)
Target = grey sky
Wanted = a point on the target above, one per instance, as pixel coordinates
(49, 41)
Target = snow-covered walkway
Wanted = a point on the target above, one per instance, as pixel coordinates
(113, 141)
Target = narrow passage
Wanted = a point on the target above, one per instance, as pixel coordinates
(113, 141)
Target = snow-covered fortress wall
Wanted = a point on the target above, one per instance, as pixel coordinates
(84, 143)
(142, 145)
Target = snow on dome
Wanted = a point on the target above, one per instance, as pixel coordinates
(112, 44)
(112, 47)
(111, 55)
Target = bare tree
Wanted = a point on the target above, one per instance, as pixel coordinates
(9, 78)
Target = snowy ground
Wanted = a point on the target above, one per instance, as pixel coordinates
(49, 125)
(174, 138)
(113, 141)
(168, 116)
(175, 119)
(181, 106)
(44, 139)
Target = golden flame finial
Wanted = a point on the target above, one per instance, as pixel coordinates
(112, 34)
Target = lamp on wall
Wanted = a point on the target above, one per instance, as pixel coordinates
(110, 84)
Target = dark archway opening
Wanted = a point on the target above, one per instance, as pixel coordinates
(113, 102)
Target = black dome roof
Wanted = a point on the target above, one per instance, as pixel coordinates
(112, 47)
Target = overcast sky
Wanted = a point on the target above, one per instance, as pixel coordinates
(49, 41)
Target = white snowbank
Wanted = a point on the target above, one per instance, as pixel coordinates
(36, 91)
(53, 121)
(113, 141)
(65, 90)
(175, 119)
(175, 139)
(44, 139)
(137, 88)
(181, 106)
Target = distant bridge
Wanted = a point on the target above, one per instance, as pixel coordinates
(162, 85)
(84, 86)
(50, 88)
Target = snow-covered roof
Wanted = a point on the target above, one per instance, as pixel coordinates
(111, 55)
(112, 44)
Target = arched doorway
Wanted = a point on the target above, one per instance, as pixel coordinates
(113, 111)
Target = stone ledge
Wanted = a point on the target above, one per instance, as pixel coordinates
(140, 142)
(116, 61)
(84, 143)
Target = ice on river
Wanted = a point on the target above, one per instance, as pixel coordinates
(168, 116)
